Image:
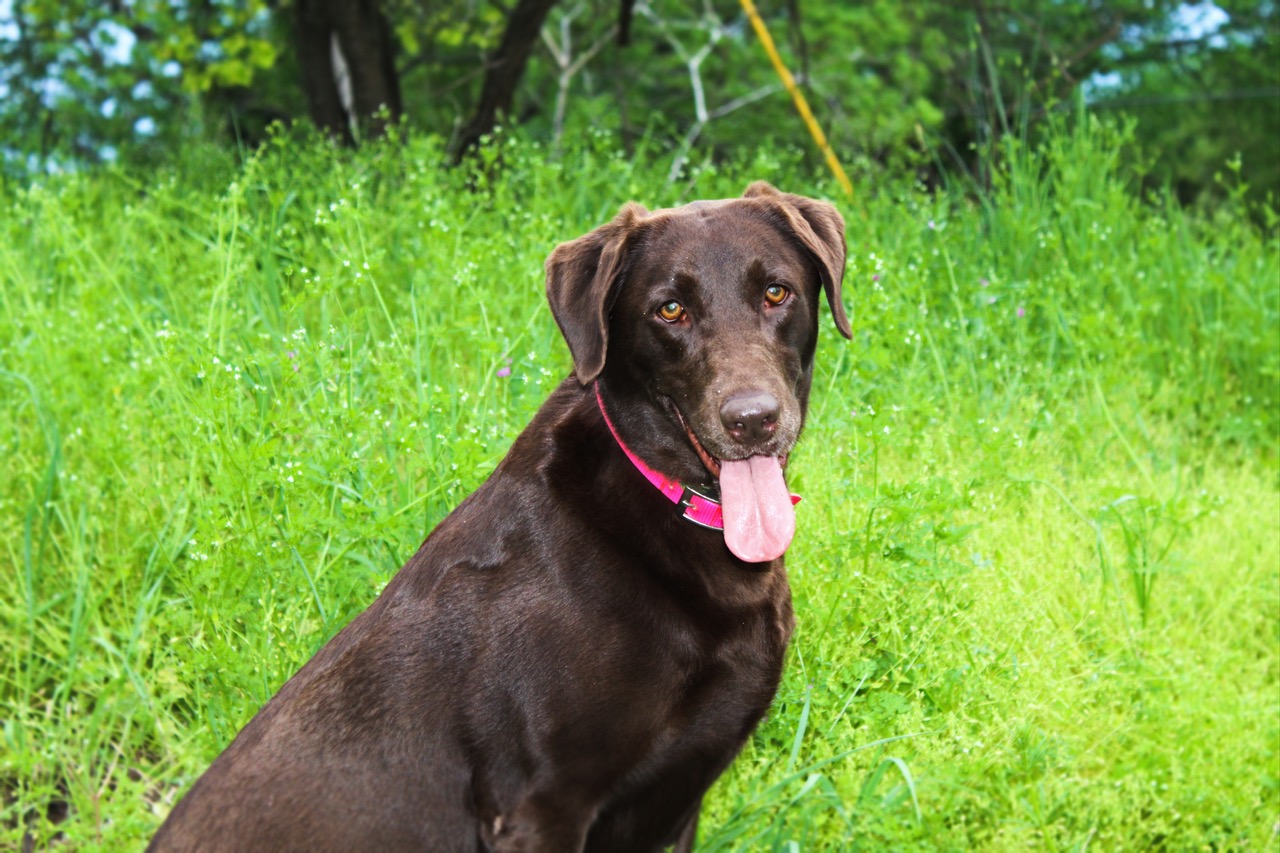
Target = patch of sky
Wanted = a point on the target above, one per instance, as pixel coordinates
(8, 26)
(1102, 83)
(115, 40)
(1188, 22)
(210, 51)
(1192, 21)
(52, 89)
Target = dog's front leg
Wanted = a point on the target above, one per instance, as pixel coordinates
(689, 834)
(549, 822)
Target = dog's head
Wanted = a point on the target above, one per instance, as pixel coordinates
(706, 316)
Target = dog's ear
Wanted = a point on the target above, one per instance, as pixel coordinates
(582, 275)
(820, 229)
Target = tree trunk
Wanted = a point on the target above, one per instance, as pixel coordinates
(504, 70)
(624, 22)
(346, 58)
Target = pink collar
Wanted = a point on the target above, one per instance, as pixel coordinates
(698, 508)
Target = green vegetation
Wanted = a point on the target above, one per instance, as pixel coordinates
(84, 82)
(1037, 575)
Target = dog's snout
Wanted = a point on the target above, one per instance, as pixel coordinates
(750, 417)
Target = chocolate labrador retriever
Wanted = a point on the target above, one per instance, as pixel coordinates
(577, 652)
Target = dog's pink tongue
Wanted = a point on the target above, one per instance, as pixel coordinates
(759, 520)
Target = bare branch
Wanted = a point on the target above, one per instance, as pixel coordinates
(562, 53)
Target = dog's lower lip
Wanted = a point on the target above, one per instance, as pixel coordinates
(711, 463)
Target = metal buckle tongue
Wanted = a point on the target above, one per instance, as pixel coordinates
(687, 495)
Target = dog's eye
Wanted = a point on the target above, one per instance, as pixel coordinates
(776, 294)
(671, 311)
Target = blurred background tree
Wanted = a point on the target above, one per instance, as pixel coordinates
(926, 86)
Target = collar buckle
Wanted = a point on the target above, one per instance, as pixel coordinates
(700, 509)
(688, 494)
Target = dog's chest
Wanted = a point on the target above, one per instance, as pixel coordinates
(718, 699)
(722, 683)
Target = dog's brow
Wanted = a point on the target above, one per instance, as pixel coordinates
(765, 271)
(685, 282)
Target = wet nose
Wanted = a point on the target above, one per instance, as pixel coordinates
(750, 417)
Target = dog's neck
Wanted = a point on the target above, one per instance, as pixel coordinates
(651, 434)
(695, 506)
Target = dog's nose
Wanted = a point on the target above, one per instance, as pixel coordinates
(750, 417)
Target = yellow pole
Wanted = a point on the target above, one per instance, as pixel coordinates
(796, 95)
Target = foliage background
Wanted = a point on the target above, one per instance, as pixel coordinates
(929, 86)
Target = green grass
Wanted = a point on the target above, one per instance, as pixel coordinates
(1037, 574)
